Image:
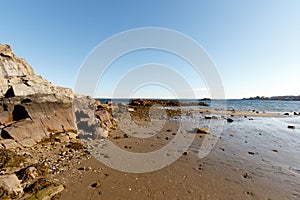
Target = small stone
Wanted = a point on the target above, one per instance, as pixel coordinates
(246, 176)
(96, 184)
(291, 127)
(81, 168)
(202, 130)
(72, 136)
(286, 114)
(229, 120)
(186, 153)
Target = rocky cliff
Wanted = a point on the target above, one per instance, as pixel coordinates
(31, 107)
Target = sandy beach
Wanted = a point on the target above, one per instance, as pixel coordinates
(253, 159)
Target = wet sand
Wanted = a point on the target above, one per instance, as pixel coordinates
(253, 159)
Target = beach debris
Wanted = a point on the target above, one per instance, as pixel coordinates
(96, 184)
(275, 150)
(286, 114)
(229, 120)
(251, 152)
(291, 126)
(296, 113)
(186, 153)
(246, 176)
(202, 130)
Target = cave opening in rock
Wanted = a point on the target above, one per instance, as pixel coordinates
(5, 135)
(19, 113)
(9, 93)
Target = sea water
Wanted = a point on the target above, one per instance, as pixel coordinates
(237, 104)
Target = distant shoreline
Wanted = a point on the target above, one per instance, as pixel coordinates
(281, 98)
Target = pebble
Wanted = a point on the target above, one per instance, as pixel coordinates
(229, 120)
(96, 184)
(202, 130)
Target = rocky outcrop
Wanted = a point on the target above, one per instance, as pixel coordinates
(31, 107)
(93, 120)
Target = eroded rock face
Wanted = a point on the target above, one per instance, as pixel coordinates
(30, 106)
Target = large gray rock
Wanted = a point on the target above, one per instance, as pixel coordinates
(30, 106)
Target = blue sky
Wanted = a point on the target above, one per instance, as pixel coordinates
(255, 44)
